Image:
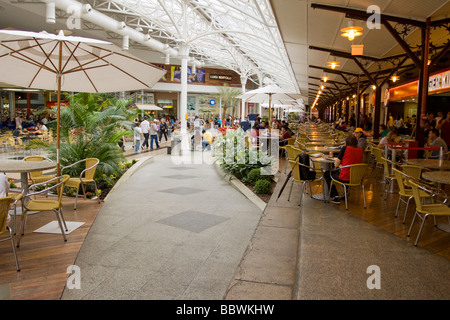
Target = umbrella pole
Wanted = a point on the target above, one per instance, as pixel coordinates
(270, 111)
(58, 112)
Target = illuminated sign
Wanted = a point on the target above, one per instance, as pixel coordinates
(439, 81)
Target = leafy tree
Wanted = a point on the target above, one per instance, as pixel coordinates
(228, 96)
(91, 127)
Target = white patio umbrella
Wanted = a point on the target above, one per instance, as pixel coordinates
(270, 94)
(66, 63)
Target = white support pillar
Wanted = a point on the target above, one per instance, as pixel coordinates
(185, 139)
(184, 54)
(243, 83)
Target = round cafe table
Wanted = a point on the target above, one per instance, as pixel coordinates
(435, 164)
(327, 165)
(24, 167)
(441, 177)
(324, 149)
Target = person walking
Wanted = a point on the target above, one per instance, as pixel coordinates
(154, 134)
(145, 127)
(163, 130)
(137, 136)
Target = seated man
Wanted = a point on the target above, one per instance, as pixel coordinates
(359, 134)
(436, 141)
(207, 140)
(17, 132)
(349, 154)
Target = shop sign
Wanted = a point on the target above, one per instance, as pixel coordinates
(439, 81)
(220, 77)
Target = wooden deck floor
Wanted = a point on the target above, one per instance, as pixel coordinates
(44, 258)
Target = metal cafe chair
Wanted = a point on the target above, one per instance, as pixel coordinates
(4, 228)
(423, 211)
(357, 172)
(405, 191)
(56, 184)
(86, 177)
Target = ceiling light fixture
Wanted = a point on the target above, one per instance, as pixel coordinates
(333, 64)
(395, 78)
(351, 31)
(325, 79)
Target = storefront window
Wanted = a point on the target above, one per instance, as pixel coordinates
(208, 107)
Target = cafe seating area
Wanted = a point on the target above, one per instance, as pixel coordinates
(385, 184)
(24, 144)
(41, 256)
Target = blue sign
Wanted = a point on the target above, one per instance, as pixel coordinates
(212, 102)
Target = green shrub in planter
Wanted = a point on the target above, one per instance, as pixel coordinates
(255, 175)
(263, 186)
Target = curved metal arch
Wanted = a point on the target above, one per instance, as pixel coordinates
(237, 24)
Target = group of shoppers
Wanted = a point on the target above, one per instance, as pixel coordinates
(153, 130)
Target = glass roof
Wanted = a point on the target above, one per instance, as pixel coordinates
(241, 35)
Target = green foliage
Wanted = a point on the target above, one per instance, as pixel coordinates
(37, 144)
(234, 156)
(228, 97)
(254, 175)
(91, 126)
(263, 186)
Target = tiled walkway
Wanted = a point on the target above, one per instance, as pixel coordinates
(168, 232)
(182, 232)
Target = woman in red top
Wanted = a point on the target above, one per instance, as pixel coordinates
(349, 154)
(284, 136)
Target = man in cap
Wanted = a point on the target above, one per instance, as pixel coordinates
(359, 134)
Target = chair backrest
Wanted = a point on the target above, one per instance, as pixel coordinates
(385, 164)
(291, 141)
(5, 202)
(295, 169)
(290, 152)
(378, 153)
(12, 141)
(412, 171)
(92, 164)
(35, 174)
(63, 181)
(400, 180)
(415, 189)
(357, 172)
